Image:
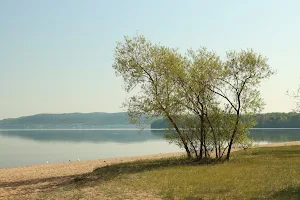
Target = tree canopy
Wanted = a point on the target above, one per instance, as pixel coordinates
(202, 96)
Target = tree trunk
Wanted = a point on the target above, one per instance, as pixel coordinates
(214, 135)
(219, 148)
(188, 153)
(201, 131)
(193, 146)
(233, 135)
(205, 147)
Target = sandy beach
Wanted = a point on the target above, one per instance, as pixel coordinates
(38, 178)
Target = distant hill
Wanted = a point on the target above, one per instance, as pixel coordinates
(267, 120)
(68, 120)
(120, 120)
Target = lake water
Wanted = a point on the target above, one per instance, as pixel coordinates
(29, 147)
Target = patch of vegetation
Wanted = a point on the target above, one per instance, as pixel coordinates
(267, 120)
(258, 173)
(208, 100)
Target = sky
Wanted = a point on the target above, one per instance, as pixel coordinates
(56, 56)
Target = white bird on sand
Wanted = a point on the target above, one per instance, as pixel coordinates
(78, 159)
(47, 162)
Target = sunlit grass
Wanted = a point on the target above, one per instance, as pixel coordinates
(259, 173)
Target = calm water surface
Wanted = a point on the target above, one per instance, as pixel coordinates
(29, 147)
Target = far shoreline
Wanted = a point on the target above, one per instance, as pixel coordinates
(116, 129)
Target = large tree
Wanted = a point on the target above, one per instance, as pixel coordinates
(209, 102)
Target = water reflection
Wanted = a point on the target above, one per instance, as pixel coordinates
(28, 147)
(95, 136)
(275, 135)
(132, 136)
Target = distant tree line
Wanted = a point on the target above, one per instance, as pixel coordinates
(278, 120)
(267, 120)
(67, 120)
(96, 118)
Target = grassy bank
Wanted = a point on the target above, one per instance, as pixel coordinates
(259, 173)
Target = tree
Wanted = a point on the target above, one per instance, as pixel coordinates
(242, 75)
(193, 81)
(296, 96)
(209, 102)
(147, 66)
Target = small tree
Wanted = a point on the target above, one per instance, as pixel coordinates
(296, 96)
(147, 66)
(242, 75)
(192, 80)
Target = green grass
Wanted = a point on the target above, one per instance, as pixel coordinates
(259, 173)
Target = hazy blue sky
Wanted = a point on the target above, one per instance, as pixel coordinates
(56, 56)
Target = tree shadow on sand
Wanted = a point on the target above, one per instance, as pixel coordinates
(110, 172)
(27, 187)
(98, 176)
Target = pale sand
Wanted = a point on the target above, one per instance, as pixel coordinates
(32, 179)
